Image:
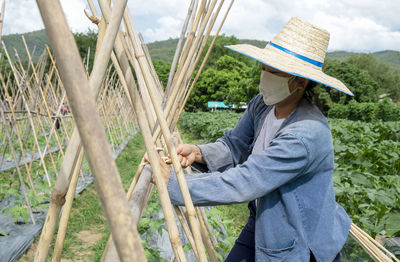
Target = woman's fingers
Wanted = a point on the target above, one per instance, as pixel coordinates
(146, 158)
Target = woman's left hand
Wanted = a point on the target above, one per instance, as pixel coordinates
(164, 168)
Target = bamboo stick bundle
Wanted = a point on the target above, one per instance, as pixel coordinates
(377, 251)
(193, 4)
(151, 87)
(178, 100)
(111, 192)
(186, 97)
(195, 22)
(62, 230)
(179, 78)
(138, 108)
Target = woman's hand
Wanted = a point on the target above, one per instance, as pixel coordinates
(187, 154)
(164, 168)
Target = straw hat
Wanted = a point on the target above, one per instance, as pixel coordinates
(298, 49)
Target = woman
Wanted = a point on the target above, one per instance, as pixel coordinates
(278, 157)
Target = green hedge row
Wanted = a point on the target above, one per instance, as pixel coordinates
(384, 110)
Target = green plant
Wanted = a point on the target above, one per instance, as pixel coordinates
(384, 110)
(208, 126)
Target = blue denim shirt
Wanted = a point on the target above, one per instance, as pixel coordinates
(291, 180)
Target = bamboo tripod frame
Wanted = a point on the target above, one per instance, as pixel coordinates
(152, 93)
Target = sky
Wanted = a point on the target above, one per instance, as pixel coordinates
(354, 25)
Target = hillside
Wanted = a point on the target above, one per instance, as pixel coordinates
(165, 50)
(390, 57)
(35, 40)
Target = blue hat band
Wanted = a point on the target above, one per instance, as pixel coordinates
(304, 58)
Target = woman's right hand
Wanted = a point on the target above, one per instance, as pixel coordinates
(187, 154)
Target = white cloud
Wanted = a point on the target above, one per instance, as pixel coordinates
(167, 26)
(24, 16)
(356, 25)
(21, 16)
(76, 18)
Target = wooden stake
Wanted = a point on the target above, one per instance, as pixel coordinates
(62, 229)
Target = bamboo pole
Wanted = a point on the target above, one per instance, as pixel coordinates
(207, 242)
(3, 5)
(178, 48)
(371, 246)
(62, 229)
(186, 228)
(150, 113)
(209, 229)
(137, 203)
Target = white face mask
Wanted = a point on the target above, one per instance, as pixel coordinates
(274, 88)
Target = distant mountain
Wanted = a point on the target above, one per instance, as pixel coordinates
(390, 57)
(36, 42)
(165, 50)
(258, 43)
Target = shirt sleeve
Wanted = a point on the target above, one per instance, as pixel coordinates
(285, 159)
(234, 147)
(217, 156)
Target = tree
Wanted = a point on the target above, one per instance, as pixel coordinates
(363, 86)
(386, 78)
(84, 41)
(162, 69)
(230, 80)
